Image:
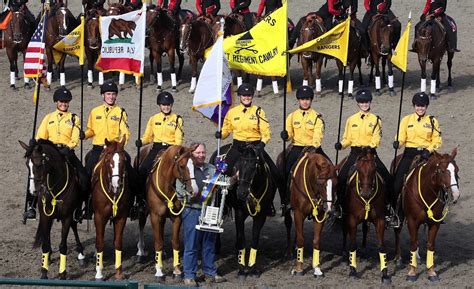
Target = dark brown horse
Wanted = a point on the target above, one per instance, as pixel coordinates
(313, 186)
(17, 35)
(382, 33)
(110, 201)
(431, 44)
(163, 38)
(311, 29)
(60, 23)
(92, 43)
(163, 203)
(195, 37)
(365, 202)
(429, 191)
(53, 180)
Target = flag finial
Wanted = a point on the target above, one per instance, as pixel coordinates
(409, 15)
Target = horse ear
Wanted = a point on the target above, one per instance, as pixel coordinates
(454, 153)
(23, 145)
(107, 143)
(122, 142)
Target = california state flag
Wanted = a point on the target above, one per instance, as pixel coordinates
(123, 43)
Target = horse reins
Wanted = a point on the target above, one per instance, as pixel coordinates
(366, 203)
(115, 201)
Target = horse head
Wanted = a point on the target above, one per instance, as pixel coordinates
(233, 24)
(325, 180)
(180, 167)
(424, 41)
(63, 18)
(113, 160)
(446, 173)
(116, 8)
(381, 33)
(92, 28)
(19, 26)
(185, 33)
(366, 176)
(310, 30)
(246, 169)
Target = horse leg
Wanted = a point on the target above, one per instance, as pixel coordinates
(141, 254)
(121, 80)
(275, 85)
(26, 80)
(319, 65)
(159, 71)
(171, 56)
(44, 230)
(157, 222)
(340, 82)
(434, 78)
(79, 247)
(193, 60)
(371, 75)
(66, 225)
(350, 85)
(259, 86)
(380, 231)
(258, 223)
(398, 252)
(90, 68)
(359, 65)
(351, 225)
(62, 72)
(423, 75)
(180, 64)
(240, 242)
(299, 221)
(413, 230)
(177, 273)
(99, 222)
(378, 84)
(288, 223)
(384, 63)
(305, 66)
(119, 226)
(450, 65)
(318, 228)
(12, 57)
(152, 69)
(391, 89)
(432, 232)
(49, 73)
(365, 231)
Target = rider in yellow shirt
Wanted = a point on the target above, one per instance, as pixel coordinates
(363, 129)
(420, 135)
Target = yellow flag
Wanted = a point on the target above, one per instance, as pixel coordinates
(261, 49)
(335, 42)
(400, 55)
(72, 44)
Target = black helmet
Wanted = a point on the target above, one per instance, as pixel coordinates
(164, 98)
(62, 94)
(108, 86)
(421, 99)
(363, 95)
(305, 92)
(245, 89)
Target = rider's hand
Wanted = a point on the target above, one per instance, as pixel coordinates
(338, 146)
(64, 150)
(218, 135)
(284, 135)
(425, 154)
(32, 142)
(396, 144)
(82, 135)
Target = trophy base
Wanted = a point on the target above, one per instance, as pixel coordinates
(209, 228)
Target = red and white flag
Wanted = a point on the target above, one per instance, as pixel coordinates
(35, 59)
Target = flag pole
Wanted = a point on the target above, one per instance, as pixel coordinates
(82, 79)
(285, 91)
(340, 112)
(219, 88)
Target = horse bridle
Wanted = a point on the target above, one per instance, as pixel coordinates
(11, 26)
(177, 159)
(374, 180)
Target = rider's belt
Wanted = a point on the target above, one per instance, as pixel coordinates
(60, 146)
(160, 145)
(244, 143)
(412, 151)
(97, 147)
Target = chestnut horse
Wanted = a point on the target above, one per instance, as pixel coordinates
(382, 33)
(365, 202)
(111, 201)
(163, 203)
(54, 181)
(313, 186)
(17, 35)
(92, 43)
(431, 44)
(428, 192)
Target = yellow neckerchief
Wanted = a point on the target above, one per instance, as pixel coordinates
(366, 203)
(430, 212)
(257, 201)
(53, 201)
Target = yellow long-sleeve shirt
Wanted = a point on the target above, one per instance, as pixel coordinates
(418, 132)
(362, 130)
(60, 128)
(246, 124)
(305, 128)
(164, 129)
(107, 123)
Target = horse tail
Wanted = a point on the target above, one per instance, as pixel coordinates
(39, 238)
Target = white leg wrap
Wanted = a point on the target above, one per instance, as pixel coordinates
(193, 84)
(90, 76)
(173, 79)
(305, 82)
(317, 272)
(239, 81)
(159, 272)
(341, 84)
(390, 81)
(98, 274)
(121, 78)
(49, 77)
(101, 78)
(12, 78)
(318, 85)
(26, 80)
(259, 84)
(378, 83)
(80, 256)
(159, 77)
(350, 87)
(275, 86)
(433, 86)
(62, 79)
(423, 85)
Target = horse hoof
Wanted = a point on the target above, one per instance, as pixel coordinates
(399, 264)
(378, 93)
(241, 275)
(174, 89)
(386, 280)
(89, 85)
(255, 273)
(178, 277)
(27, 86)
(392, 92)
(191, 91)
(62, 276)
(433, 96)
(353, 273)
(411, 278)
(160, 279)
(450, 88)
(158, 88)
(258, 93)
(350, 96)
(13, 87)
(297, 273)
(141, 259)
(433, 279)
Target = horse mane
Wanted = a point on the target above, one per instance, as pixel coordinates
(165, 19)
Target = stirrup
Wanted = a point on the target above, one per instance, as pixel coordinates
(392, 221)
(30, 214)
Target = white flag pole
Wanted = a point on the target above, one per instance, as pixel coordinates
(219, 84)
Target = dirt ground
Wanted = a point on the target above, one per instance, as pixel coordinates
(454, 109)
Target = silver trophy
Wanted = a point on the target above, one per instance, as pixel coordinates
(211, 215)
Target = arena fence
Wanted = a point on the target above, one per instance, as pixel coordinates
(70, 283)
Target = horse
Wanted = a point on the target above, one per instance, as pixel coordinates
(312, 186)
(60, 23)
(111, 199)
(92, 43)
(311, 29)
(17, 35)
(53, 179)
(164, 38)
(252, 195)
(365, 202)
(430, 189)
(163, 203)
(382, 32)
(431, 44)
(195, 37)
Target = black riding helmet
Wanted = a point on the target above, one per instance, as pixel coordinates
(305, 92)
(421, 99)
(164, 98)
(62, 94)
(245, 89)
(108, 86)
(363, 95)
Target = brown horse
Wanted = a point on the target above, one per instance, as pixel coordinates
(429, 191)
(164, 38)
(17, 35)
(431, 44)
(311, 29)
(195, 37)
(92, 43)
(163, 203)
(382, 33)
(60, 23)
(313, 186)
(53, 179)
(365, 202)
(110, 201)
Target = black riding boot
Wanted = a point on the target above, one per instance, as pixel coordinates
(451, 35)
(30, 213)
